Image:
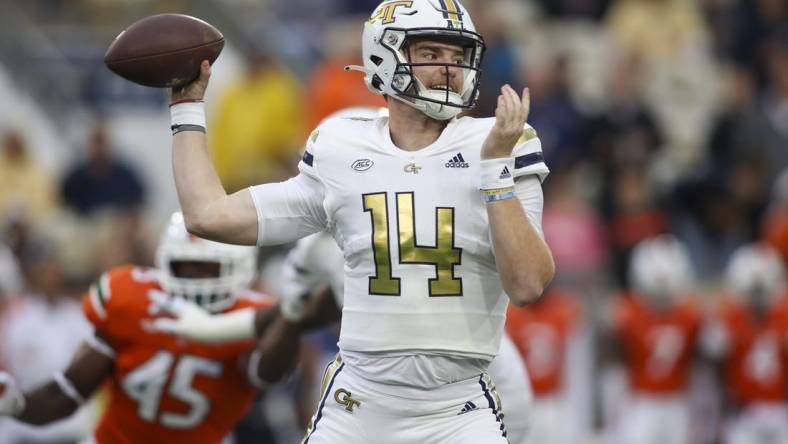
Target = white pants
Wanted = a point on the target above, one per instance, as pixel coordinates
(654, 420)
(354, 410)
(550, 423)
(759, 424)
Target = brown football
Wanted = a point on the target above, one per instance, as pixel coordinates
(164, 50)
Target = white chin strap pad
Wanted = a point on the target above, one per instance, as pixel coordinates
(435, 110)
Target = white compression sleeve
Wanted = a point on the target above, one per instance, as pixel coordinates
(216, 329)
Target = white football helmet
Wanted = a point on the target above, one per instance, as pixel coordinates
(661, 269)
(387, 66)
(234, 273)
(756, 273)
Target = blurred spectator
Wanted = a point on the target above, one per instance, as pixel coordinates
(742, 29)
(633, 212)
(680, 77)
(500, 65)
(774, 105)
(657, 30)
(749, 184)
(33, 346)
(625, 132)
(330, 88)
(257, 130)
(708, 218)
(775, 231)
(28, 190)
(10, 275)
(556, 118)
(733, 130)
(573, 230)
(101, 180)
(359, 6)
(590, 9)
(754, 126)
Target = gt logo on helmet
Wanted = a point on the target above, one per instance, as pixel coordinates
(386, 11)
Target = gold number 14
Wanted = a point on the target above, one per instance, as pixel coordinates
(444, 256)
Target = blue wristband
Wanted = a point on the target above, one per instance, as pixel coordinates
(496, 197)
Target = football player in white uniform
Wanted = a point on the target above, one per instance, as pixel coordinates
(316, 261)
(424, 303)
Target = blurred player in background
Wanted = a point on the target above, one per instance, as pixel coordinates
(656, 327)
(542, 333)
(751, 335)
(162, 389)
(424, 303)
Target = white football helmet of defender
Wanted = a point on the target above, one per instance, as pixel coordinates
(234, 273)
(387, 66)
(756, 273)
(660, 270)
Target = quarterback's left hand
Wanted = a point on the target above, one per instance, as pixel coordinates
(510, 117)
(12, 401)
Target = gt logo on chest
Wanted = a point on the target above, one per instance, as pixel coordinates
(411, 168)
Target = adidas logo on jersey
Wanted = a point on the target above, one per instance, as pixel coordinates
(468, 407)
(505, 174)
(457, 162)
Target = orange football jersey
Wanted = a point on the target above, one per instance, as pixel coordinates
(540, 332)
(658, 345)
(757, 362)
(163, 389)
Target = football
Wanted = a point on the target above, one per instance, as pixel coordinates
(164, 50)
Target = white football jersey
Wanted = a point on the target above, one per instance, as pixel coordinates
(420, 272)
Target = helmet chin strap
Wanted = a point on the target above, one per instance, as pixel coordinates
(434, 110)
(437, 111)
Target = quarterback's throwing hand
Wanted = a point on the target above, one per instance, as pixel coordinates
(12, 402)
(510, 117)
(194, 91)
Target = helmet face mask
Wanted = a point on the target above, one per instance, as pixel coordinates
(210, 274)
(388, 65)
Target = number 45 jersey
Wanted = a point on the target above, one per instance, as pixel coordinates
(164, 389)
(420, 272)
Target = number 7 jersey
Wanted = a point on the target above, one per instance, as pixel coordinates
(420, 272)
(164, 389)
